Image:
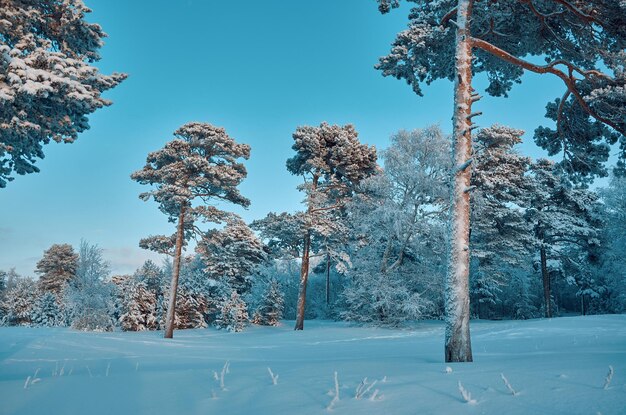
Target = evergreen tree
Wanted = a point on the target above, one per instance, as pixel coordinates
(500, 235)
(138, 307)
(48, 84)
(233, 313)
(232, 254)
(46, 311)
(200, 164)
(562, 217)
(270, 309)
(18, 301)
(57, 267)
(454, 39)
(333, 163)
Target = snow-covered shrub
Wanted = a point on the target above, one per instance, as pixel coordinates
(270, 309)
(233, 313)
(46, 311)
(17, 302)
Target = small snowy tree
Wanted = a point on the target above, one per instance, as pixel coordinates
(18, 301)
(46, 311)
(48, 84)
(233, 313)
(89, 298)
(57, 267)
(333, 162)
(270, 309)
(199, 165)
(138, 307)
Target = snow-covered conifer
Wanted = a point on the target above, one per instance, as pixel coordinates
(18, 301)
(233, 313)
(232, 254)
(57, 267)
(270, 309)
(199, 165)
(46, 312)
(333, 162)
(138, 307)
(48, 83)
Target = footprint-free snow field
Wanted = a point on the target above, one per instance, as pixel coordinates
(557, 366)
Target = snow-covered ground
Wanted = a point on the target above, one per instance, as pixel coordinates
(555, 366)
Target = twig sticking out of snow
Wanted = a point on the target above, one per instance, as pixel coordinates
(508, 385)
(467, 397)
(609, 377)
(336, 397)
(273, 376)
(220, 377)
(32, 380)
(108, 369)
(363, 388)
(89, 370)
(375, 395)
(136, 366)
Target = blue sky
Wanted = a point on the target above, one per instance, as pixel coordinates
(259, 69)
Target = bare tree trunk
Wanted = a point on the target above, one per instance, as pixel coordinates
(304, 276)
(304, 270)
(327, 279)
(171, 310)
(458, 343)
(545, 276)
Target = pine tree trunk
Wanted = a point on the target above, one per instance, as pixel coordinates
(171, 310)
(304, 270)
(304, 276)
(545, 276)
(458, 343)
(327, 279)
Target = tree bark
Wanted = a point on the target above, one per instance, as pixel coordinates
(327, 279)
(304, 276)
(171, 310)
(457, 343)
(545, 276)
(304, 270)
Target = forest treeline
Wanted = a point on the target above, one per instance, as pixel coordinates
(541, 246)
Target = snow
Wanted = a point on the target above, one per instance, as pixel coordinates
(556, 366)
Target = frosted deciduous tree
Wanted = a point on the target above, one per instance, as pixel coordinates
(57, 267)
(333, 162)
(89, 298)
(200, 165)
(48, 83)
(397, 221)
(453, 39)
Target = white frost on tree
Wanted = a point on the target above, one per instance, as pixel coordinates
(48, 83)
